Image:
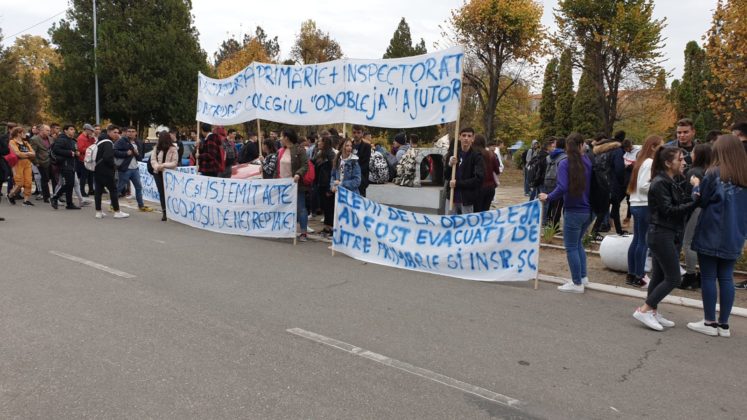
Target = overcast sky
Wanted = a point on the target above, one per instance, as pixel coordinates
(363, 29)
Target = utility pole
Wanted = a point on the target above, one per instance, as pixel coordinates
(95, 64)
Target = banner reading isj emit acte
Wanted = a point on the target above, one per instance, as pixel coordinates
(399, 93)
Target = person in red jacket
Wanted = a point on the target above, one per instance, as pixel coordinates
(85, 140)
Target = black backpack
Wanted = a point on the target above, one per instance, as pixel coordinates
(601, 172)
(533, 169)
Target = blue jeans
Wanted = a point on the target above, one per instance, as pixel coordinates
(134, 176)
(303, 217)
(639, 246)
(712, 269)
(574, 229)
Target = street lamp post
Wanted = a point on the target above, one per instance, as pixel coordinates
(95, 64)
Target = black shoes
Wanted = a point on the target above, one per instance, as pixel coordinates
(690, 281)
(635, 281)
(27, 203)
(163, 217)
(54, 203)
(72, 207)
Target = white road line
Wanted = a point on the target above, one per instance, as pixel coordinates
(423, 373)
(93, 264)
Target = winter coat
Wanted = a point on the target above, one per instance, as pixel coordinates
(64, 149)
(351, 174)
(722, 226)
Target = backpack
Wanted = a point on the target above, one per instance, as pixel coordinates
(230, 150)
(600, 182)
(391, 161)
(152, 156)
(406, 169)
(378, 169)
(89, 160)
(533, 169)
(551, 174)
(308, 178)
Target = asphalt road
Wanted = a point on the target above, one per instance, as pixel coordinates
(182, 323)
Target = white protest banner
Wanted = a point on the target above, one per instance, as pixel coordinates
(497, 245)
(263, 207)
(399, 93)
(150, 190)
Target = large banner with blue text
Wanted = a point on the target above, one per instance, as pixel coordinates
(263, 207)
(399, 93)
(497, 245)
(150, 190)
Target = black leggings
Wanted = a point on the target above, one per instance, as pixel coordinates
(104, 181)
(328, 207)
(484, 200)
(161, 193)
(665, 263)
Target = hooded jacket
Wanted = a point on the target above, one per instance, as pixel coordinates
(64, 149)
(616, 160)
(351, 174)
(722, 226)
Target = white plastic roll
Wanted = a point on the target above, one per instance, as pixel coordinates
(614, 252)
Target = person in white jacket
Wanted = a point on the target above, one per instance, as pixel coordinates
(640, 180)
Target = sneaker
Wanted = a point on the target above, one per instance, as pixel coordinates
(302, 237)
(645, 281)
(72, 207)
(741, 285)
(688, 281)
(598, 238)
(663, 321)
(723, 330)
(54, 203)
(46, 200)
(571, 287)
(121, 215)
(111, 208)
(703, 328)
(629, 279)
(27, 203)
(648, 319)
(85, 203)
(585, 281)
(145, 209)
(100, 214)
(639, 282)
(12, 200)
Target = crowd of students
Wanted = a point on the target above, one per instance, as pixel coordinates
(684, 196)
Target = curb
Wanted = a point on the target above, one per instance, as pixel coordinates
(624, 291)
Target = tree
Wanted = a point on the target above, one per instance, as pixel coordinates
(10, 86)
(227, 48)
(401, 43)
(314, 46)
(252, 51)
(147, 69)
(271, 46)
(496, 35)
(35, 55)
(621, 40)
(564, 96)
(689, 100)
(547, 105)
(587, 114)
(726, 52)
(643, 112)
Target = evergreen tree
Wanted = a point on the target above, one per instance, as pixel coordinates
(547, 105)
(314, 46)
(691, 86)
(564, 94)
(401, 43)
(587, 115)
(227, 48)
(148, 59)
(11, 86)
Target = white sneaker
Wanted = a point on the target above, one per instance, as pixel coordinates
(570, 287)
(100, 214)
(663, 321)
(646, 281)
(648, 319)
(121, 215)
(724, 332)
(585, 281)
(702, 328)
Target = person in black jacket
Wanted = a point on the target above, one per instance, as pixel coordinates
(669, 206)
(324, 158)
(65, 149)
(104, 173)
(470, 171)
(362, 149)
(250, 149)
(609, 159)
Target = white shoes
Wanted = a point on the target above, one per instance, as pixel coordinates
(570, 287)
(702, 328)
(663, 321)
(100, 214)
(585, 281)
(648, 319)
(121, 215)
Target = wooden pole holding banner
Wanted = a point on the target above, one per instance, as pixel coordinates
(259, 137)
(536, 276)
(344, 129)
(197, 150)
(334, 211)
(456, 144)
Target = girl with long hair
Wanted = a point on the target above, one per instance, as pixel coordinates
(346, 171)
(487, 190)
(640, 181)
(269, 159)
(165, 156)
(668, 207)
(294, 163)
(701, 156)
(721, 231)
(574, 186)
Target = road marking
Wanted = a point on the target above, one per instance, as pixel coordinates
(158, 242)
(423, 373)
(93, 264)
